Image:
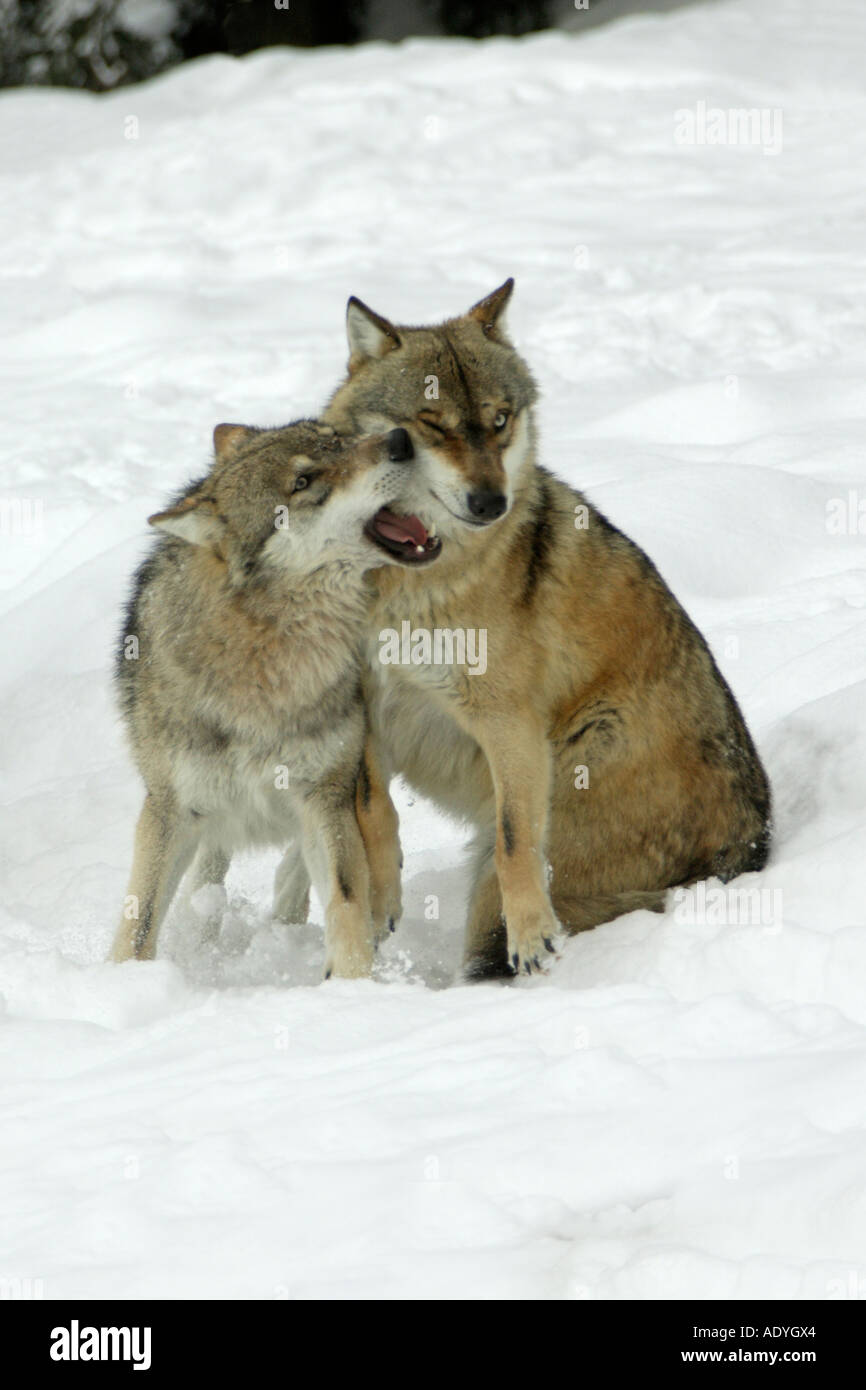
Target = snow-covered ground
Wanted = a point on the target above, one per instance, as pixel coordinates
(679, 1109)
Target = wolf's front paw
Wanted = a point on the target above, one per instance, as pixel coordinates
(348, 955)
(531, 941)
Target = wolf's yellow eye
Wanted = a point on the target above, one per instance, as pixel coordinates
(301, 482)
(500, 420)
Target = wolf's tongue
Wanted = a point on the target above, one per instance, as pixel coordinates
(401, 528)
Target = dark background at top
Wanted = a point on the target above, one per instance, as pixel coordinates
(102, 44)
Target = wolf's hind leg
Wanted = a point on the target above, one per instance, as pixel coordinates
(211, 866)
(485, 955)
(164, 845)
(292, 886)
(209, 871)
(579, 912)
(379, 826)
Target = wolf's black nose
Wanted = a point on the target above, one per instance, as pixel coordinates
(400, 446)
(486, 505)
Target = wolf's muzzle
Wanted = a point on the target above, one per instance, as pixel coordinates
(486, 505)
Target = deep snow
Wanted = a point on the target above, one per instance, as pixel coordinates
(679, 1108)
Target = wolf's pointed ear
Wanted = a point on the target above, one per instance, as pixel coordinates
(194, 519)
(369, 334)
(228, 438)
(490, 311)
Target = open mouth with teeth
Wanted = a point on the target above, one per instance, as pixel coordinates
(406, 538)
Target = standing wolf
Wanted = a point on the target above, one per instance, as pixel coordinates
(239, 671)
(602, 740)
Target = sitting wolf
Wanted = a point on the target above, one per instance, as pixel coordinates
(239, 672)
(601, 757)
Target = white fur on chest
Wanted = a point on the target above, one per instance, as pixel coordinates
(251, 797)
